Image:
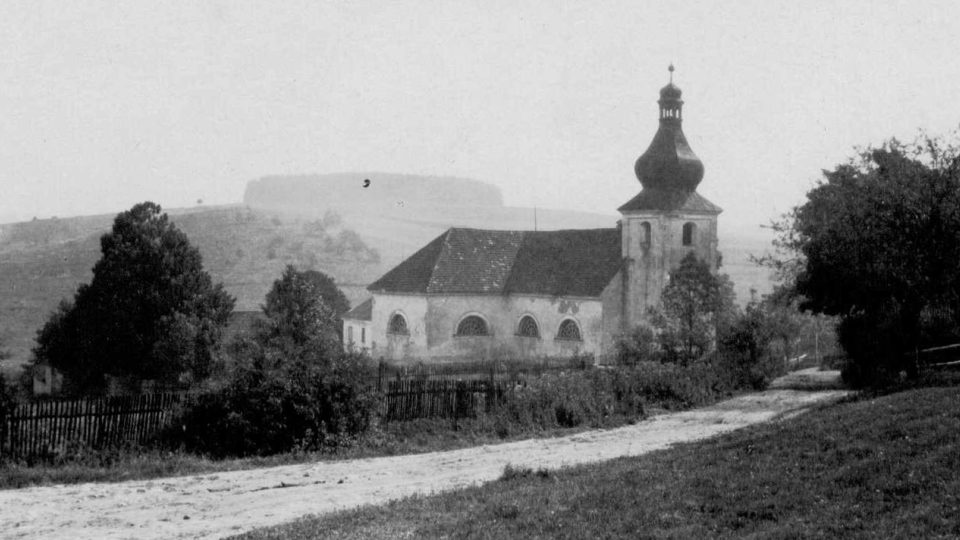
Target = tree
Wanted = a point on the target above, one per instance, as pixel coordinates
(291, 384)
(878, 246)
(304, 307)
(150, 311)
(695, 307)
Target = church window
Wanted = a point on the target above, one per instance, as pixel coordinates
(472, 325)
(350, 334)
(569, 330)
(363, 335)
(645, 234)
(689, 230)
(528, 327)
(398, 325)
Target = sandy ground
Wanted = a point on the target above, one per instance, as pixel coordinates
(221, 504)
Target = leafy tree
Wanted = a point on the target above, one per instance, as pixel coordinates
(695, 307)
(877, 245)
(291, 384)
(302, 307)
(746, 348)
(150, 311)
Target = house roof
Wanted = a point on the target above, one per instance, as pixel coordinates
(476, 261)
(670, 200)
(362, 312)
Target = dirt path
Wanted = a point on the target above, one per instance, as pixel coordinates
(221, 504)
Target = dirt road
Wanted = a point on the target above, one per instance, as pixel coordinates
(221, 504)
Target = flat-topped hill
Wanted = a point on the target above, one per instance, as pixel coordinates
(329, 223)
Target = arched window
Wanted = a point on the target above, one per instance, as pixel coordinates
(528, 327)
(569, 330)
(472, 325)
(689, 231)
(645, 234)
(398, 325)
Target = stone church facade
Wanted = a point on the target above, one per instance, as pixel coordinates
(473, 293)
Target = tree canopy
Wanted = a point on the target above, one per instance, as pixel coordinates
(304, 308)
(291, 384)
(695, 306)
(150, 311)
(878, 246)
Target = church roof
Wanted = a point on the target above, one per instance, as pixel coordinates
(670, 200)
(578, 262)
(362, 312)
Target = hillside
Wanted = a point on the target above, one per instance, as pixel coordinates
(44, 261)
(328, 223)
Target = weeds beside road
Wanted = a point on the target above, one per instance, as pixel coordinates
(218, 504)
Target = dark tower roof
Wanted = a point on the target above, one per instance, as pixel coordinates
(669, 171)
(669, 162)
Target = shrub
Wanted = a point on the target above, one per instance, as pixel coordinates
(296, 406)
(566, 399)
(510, 472)
(640, 345)
(673, 386)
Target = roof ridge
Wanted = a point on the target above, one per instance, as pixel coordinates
(436, 261)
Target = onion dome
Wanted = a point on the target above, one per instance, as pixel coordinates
(669, 163)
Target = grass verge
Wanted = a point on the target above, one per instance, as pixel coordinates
(882, 466)
(412, 437)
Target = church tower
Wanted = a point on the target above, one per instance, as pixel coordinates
(668, 218)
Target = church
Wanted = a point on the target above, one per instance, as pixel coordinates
(478, 293)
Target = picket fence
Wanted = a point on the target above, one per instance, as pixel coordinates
(411, 399)
(50, 427)
(46, 428)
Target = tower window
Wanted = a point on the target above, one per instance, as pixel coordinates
(645, 234)
(689, 231)
(473, 325)
(528, 327)
(569, 330)
(398, 325)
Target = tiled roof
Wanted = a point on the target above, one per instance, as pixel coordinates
(476, 261)
(669, 200)
(363, 311)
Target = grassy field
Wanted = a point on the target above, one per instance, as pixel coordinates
(871, 467)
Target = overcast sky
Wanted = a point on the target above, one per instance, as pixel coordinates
(105, 104)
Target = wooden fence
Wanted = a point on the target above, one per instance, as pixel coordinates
(47, 427)
(410, 399)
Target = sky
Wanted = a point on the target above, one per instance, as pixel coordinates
(105, 104)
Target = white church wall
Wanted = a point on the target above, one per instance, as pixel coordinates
(433, 324)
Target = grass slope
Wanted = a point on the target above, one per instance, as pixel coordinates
(44, 261)
(885, 467)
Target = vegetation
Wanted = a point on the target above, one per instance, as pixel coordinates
(875, 244)
(290, 387)
(715, 347)
(695, 307)
(150, 311)
(40, 269)
(870, 467)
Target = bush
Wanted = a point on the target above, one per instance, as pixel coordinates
(673, 386)
(640, 345)
(566, 399)
(297, 406)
